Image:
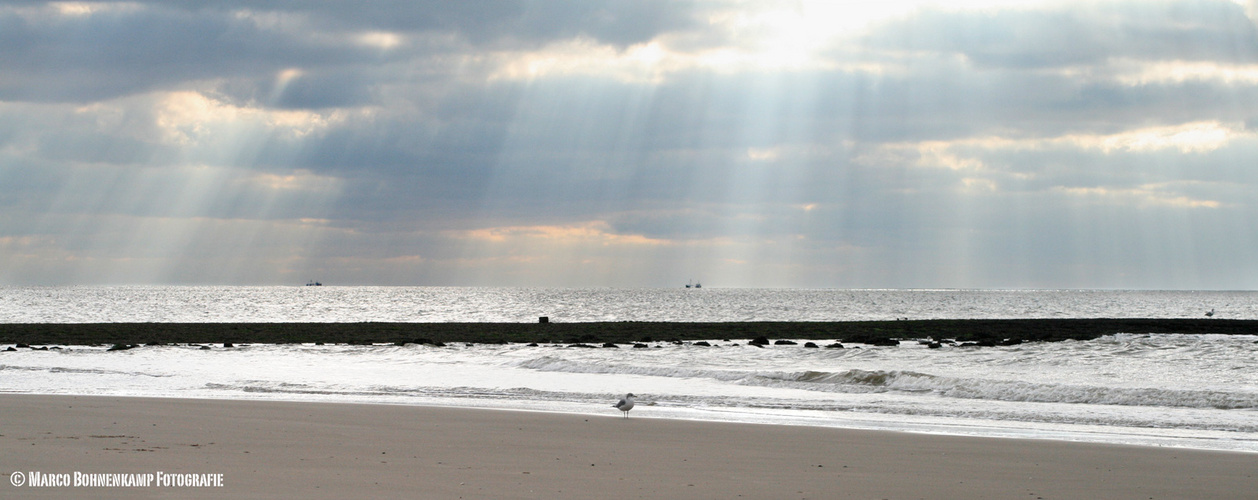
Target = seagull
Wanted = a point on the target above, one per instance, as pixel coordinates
(1210, 314)
(625, 404)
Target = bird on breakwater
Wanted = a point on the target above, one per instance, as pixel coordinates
(625, 404)
(1210, 314)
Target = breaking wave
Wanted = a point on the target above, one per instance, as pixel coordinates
(901, 381)
(88, 371)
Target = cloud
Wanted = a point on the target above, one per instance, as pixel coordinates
(1143, 196)
(120, 51)
(593, 232)
(578, 142)
(90, 51)
(1079, 34)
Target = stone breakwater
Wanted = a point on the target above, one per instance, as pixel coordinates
(974, 332)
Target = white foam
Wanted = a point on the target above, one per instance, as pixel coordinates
(1183, 390)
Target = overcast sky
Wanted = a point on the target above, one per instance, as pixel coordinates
(849, 144)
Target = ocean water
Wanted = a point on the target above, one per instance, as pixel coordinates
(455, 304)
(1198, 391)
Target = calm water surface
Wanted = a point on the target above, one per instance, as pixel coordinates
(453, 304)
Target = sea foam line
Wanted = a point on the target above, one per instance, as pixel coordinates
(876, 381)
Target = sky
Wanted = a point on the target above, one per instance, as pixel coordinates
(636, 143)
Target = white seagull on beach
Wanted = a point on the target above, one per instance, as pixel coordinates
(625, 404)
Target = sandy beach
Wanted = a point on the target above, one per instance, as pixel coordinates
(323, 450)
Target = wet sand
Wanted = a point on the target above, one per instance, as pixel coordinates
(325, 450)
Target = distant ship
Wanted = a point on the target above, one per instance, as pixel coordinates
(314, 283)
(695, 285)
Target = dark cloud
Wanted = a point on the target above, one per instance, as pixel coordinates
(324, 89)
(494, 22)
(1081, 35)
(120, 51)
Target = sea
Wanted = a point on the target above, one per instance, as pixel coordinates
(1170, 390)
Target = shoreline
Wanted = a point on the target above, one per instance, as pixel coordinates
(979, 332)
(336, 450)
(965, 430)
